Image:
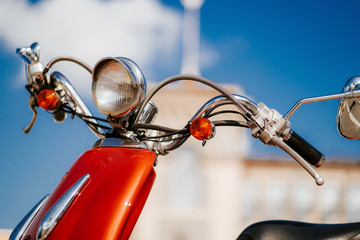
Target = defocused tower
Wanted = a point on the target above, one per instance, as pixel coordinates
(190, 198)
(191, 36)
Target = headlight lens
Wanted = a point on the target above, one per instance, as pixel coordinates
(118, 86)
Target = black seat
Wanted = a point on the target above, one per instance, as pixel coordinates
(281, 230)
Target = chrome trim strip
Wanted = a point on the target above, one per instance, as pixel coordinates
(321, 162)
(23, 225)
(117, 142)
(54, 214)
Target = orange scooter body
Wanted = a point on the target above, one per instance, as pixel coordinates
(110, 202)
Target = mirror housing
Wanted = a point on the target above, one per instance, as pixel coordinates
(348, 114)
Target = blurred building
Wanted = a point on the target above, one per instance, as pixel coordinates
(4, 234)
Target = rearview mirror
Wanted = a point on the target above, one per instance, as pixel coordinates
(348, 114)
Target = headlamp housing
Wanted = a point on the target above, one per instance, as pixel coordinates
(118, 86)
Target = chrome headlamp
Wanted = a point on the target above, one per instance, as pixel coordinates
(118, 86)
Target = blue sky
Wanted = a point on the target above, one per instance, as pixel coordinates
(278, 51)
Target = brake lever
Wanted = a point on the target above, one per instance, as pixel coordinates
(32, 105)
(278, 142)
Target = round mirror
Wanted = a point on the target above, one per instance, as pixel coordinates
(348, 115)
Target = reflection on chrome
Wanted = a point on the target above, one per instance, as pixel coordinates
(348, 115)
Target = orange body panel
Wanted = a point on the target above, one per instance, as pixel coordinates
(108, 205)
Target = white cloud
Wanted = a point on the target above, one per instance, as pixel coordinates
(143, 30)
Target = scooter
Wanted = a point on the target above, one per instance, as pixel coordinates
(84, 205)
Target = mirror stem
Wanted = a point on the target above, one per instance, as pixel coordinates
(351, 94)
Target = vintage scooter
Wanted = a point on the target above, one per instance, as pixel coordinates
(103, 193)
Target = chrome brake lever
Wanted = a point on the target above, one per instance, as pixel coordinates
(32, 105)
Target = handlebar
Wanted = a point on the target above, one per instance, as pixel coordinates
(218, 101)
(205, 110)
(305, 149)
(266, 124)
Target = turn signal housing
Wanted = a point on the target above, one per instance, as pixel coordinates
(202, 129)
(48, 100)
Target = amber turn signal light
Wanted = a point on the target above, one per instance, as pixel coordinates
(202, 129)
(48, 99)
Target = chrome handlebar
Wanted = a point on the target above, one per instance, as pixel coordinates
(218, 101)
(266, 124)
(172, 143)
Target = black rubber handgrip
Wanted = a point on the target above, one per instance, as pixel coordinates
(304, 149)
